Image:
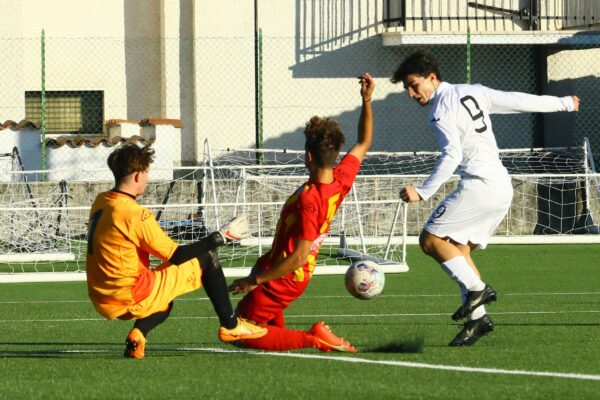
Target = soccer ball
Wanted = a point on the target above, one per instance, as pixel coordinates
(364, 280)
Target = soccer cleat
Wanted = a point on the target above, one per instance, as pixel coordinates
(472, 331)
(236, 229)
(474, 300)
(328, 341)
(243, 330)
(135, 344)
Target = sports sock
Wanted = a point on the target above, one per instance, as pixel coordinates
(215, 286)
(477, 313)
(213, 278)
(459, 270)
(145, 325)
(282, 339)
(186, 252)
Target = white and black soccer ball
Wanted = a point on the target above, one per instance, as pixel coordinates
(364, 279)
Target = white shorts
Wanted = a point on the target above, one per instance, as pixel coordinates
(473, 211)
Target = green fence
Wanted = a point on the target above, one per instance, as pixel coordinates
(210, 84)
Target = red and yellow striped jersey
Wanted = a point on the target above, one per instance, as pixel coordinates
(307, 215)
(122, 235)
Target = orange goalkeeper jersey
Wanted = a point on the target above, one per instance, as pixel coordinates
(122, 235)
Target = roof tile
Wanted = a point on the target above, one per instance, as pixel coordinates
(79, 141)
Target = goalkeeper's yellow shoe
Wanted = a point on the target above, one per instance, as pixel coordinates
(243, 330)
(328, 341)
(135, 344)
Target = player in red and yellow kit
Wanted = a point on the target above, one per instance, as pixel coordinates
(281, 275)
(122, 235)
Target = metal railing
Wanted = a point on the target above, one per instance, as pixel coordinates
(511, 15)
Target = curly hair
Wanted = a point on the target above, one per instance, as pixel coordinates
(420, 63)
(129, 158)
(324, 139)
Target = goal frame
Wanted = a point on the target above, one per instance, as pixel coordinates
(208, 200)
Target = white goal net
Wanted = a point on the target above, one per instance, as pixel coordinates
(44, 222)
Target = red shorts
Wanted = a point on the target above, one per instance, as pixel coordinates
(268, 300)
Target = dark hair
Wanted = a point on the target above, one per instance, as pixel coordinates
(421, 63)
(129, 158)
(324, 139)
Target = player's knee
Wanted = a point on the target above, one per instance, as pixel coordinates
(427, 243)
(216, 239)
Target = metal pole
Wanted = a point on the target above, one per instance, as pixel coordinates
(258, 85)
(468, 54)
(43, 101)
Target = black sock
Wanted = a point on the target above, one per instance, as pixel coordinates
(186, 252)
(213, 278)
(215, 286)
(145, 325)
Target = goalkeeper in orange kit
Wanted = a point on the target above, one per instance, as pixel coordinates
(122, 236)
(281, 275)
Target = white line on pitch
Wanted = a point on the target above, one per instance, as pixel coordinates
(325, 315)
(328, 297)
(360, 360)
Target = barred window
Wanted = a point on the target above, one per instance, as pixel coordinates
(75, 111)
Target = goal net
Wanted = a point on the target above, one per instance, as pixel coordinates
(44, 222)
(368, 225)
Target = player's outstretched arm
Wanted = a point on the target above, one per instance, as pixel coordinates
(516, 102)
(288, 264)
(365, 122)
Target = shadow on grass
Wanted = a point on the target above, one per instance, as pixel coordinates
(53, 354)
(413, 345)
(69, 344)
(83, 350)
(557, 324)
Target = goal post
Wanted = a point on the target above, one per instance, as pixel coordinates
(366, 230)
(44, 222)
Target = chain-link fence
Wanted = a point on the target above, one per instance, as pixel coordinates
(213, 86)
(248, 92)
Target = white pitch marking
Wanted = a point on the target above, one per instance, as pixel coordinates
(324, 315)
(360, 360)
(328, 297)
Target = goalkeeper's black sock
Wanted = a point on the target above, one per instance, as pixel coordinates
(145, 325)
(213, 278)
(197, 249)
(215, 286)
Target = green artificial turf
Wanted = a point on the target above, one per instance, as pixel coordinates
(54, 345)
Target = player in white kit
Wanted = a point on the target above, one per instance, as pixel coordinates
(465, 219)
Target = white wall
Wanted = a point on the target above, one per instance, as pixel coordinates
(194, 60)
(224, 73)
(115, 48)
(584, 81)
(28, 143)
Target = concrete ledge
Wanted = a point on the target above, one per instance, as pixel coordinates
(566, 38)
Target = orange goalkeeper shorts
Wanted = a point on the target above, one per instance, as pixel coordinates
(171, 281)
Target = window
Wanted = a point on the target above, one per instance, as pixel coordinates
(80, 112)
